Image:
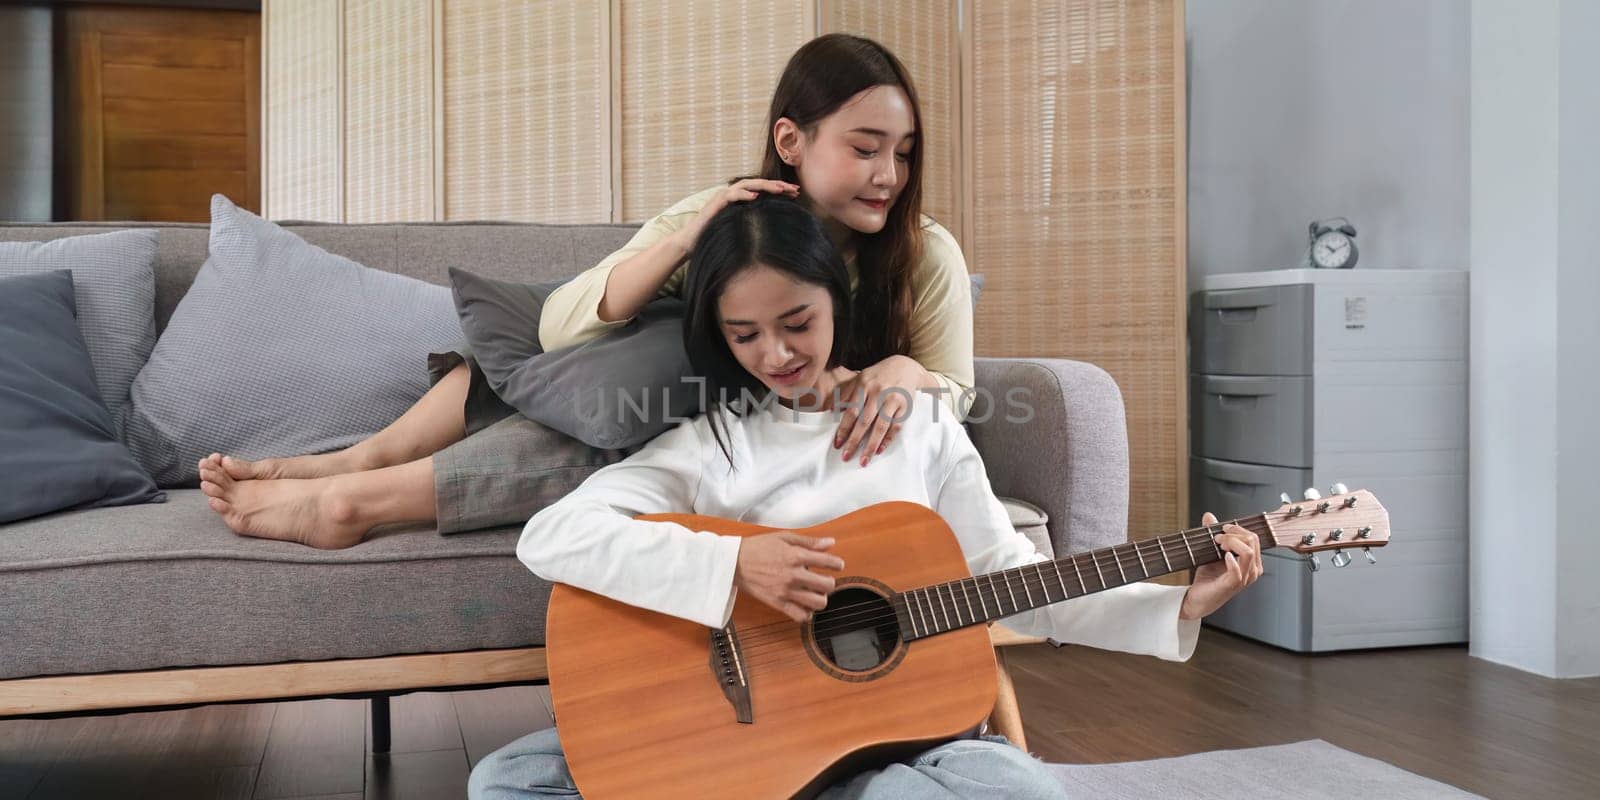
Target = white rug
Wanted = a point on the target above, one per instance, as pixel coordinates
(1309, 769)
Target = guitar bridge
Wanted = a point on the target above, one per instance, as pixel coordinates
(727, 666)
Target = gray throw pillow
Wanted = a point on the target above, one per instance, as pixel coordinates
(500, 319)
(58, 448)
(115, 287)
(281, 348)
(616, 391)
(977, 288)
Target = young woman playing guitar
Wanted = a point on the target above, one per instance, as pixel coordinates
(768, 300)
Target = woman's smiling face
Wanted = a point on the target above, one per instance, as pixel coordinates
(856, 162)
(779, 329)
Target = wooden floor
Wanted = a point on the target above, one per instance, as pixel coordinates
(1435, 711)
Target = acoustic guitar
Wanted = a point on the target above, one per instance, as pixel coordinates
(900, 660)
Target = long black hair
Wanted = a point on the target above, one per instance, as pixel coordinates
(770, 231)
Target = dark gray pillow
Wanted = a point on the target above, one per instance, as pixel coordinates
(114, 287)
(616, 391)
(500, 319)
(58, 447)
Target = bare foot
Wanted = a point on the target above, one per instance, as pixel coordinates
(306, 511)
(321, 465)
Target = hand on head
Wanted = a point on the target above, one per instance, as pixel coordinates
(747, 189)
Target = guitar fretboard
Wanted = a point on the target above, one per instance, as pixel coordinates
(936, 609)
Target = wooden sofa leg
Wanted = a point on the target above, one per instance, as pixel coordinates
(379, 707)
(1006, 719)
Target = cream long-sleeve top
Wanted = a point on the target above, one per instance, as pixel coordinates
(941, 311)
(787, 475)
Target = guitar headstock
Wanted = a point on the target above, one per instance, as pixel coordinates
(1344, 520)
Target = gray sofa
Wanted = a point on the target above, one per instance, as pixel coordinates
(159, 605)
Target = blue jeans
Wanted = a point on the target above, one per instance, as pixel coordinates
(981, 769)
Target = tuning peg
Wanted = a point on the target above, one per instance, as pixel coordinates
(1313, 562)
(1340, 488)
(1313, 494)
(1285, 498)
(1341, 558)
(1371, 559)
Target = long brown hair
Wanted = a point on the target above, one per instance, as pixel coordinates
(820, 78)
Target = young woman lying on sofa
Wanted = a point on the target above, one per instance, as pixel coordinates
(844, 136)
(768, 299)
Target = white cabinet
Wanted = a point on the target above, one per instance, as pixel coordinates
(1305, 378)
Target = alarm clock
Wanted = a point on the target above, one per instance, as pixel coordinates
(1333, 244)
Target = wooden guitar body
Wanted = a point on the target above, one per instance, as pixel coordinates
(645, 707)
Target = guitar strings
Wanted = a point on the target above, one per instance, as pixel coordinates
(849, 616)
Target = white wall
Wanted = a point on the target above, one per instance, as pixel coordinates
(1535, 601)
(1304, 109)
(1578, 332)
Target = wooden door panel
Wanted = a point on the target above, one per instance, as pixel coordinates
(157, 50)
(134, 115)
(143, 81)
(165, 151)
(163, 111)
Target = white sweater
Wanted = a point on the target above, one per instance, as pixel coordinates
(789, 476)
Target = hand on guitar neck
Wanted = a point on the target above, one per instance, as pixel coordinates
(775, 569)
(1217, 582)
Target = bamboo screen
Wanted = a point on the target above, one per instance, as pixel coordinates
(1078, 208)
(697, 77)
(526, 126)
(301, 161)
(388, 95)
(925, 36)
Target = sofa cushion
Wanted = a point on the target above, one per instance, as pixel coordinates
(152, 586)
(500, 319)
(58, 447)
(114, 280)
(281, 348)
(1030, 521)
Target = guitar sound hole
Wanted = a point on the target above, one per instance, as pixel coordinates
(857, 631)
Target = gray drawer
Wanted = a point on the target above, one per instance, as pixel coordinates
(1232, 490)
(1264, 331)
(1255, 419)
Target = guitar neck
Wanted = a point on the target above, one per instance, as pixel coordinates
(943, 607)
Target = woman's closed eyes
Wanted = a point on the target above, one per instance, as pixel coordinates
(801, 328)
(902, 157)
